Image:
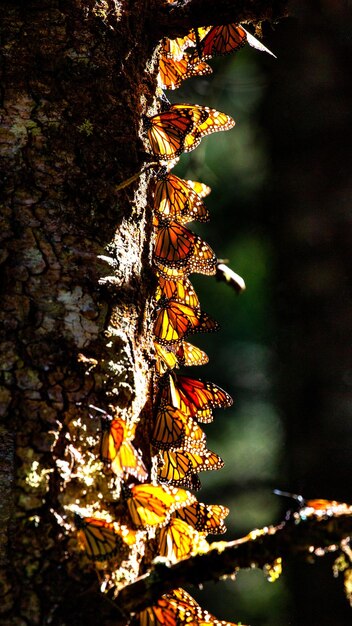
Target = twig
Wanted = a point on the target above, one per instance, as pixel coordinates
(135, 176)
(299, 536)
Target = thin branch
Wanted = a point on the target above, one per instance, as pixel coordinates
(300, 537)
(178, 18)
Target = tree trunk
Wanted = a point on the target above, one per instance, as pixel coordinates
(75, 276)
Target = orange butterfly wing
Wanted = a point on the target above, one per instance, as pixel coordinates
(165, 358)
(190, 355)
(178, 608)
(200, 189)
(167, 132)
(208, 518)
(179, 466)
(175, 199)
(113, 434)
(174, 319)
(222, 40)
(173, 71)
(194, 397)
(173, 429)
(176, 247)
(97, 537)
(215, 122)
(181, 290)
(174, 244)
(174, 48)
(177, 540)
(151, 505)
(128, 462)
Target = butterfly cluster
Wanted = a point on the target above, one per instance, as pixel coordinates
(156, 509)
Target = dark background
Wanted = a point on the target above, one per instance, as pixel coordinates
(281, 211)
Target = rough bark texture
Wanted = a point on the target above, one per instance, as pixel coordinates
(74, 273)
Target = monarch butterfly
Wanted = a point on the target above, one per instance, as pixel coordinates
(176, 199)
(167, 611)
(222, 40)
(173, 429)
(201, 617)
(113, 434)
(182, 290)
(118, 452)
(178, 247)
(150, 505)
(171, 356)
(194, 397)
(175, 319)
(190, 355)
(129, 462)
(179, 466)
(173, 71)
(167, 131)
(206, 518)
(177, 540)
(178, 608)
(181, 128)
(98, 538)
(174, 48)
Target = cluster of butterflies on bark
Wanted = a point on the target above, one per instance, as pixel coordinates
(178, 523)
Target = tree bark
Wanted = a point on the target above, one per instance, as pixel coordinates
(75, 273)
